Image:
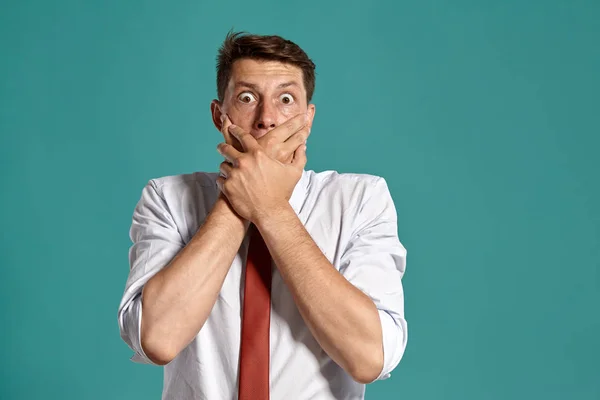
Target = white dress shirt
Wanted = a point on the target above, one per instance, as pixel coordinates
(351, 217)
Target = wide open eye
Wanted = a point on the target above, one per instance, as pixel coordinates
(246, 97)
(286, 99)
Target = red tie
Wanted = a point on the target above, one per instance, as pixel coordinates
(254, 352)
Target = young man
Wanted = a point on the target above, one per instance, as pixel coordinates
(265, 280)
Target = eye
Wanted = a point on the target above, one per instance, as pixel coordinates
(246, 97)
(286, 98)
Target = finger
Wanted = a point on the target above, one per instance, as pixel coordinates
(225, 123)
(220, 182)
(225, 169)
(297, 139)
(229, 152)
(247, 140)
(300, 157)
(284, 131)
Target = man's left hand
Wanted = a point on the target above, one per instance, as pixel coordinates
(254, 183)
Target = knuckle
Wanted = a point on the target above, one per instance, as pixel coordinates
(279, 154)
(242, 162)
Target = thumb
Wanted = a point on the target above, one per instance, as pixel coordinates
(300, 157)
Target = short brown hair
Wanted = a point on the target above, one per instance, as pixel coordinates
(238, 45)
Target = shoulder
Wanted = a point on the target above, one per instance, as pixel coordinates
(184, 200)
(178, 182)
(350, 192)
(338, 177)
(346, 183)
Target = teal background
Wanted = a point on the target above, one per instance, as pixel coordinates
(483, 117)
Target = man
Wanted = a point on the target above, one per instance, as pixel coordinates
(265, 280)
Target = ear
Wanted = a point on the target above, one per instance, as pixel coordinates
(311, 114)
(215, 110)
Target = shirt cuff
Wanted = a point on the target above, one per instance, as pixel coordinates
(132, 322)
(394, 343)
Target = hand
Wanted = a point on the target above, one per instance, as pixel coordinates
(279, 143)
(254, 183)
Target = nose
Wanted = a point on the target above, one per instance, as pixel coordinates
(266, 118)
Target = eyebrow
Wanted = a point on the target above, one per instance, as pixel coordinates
(255, 87)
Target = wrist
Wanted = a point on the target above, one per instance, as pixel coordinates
(224, 210)
(274, 216)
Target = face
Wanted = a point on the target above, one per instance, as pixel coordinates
(262, 95)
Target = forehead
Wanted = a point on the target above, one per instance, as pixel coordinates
(264, 72)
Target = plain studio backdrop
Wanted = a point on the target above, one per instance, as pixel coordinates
(483, 117)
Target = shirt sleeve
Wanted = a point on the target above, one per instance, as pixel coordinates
(374, 261)
(156, 241)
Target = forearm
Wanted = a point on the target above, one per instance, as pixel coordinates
(178, 300)
(343, 319)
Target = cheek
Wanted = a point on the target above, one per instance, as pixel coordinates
(287, 112)
(290, 111)
(242, 115)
